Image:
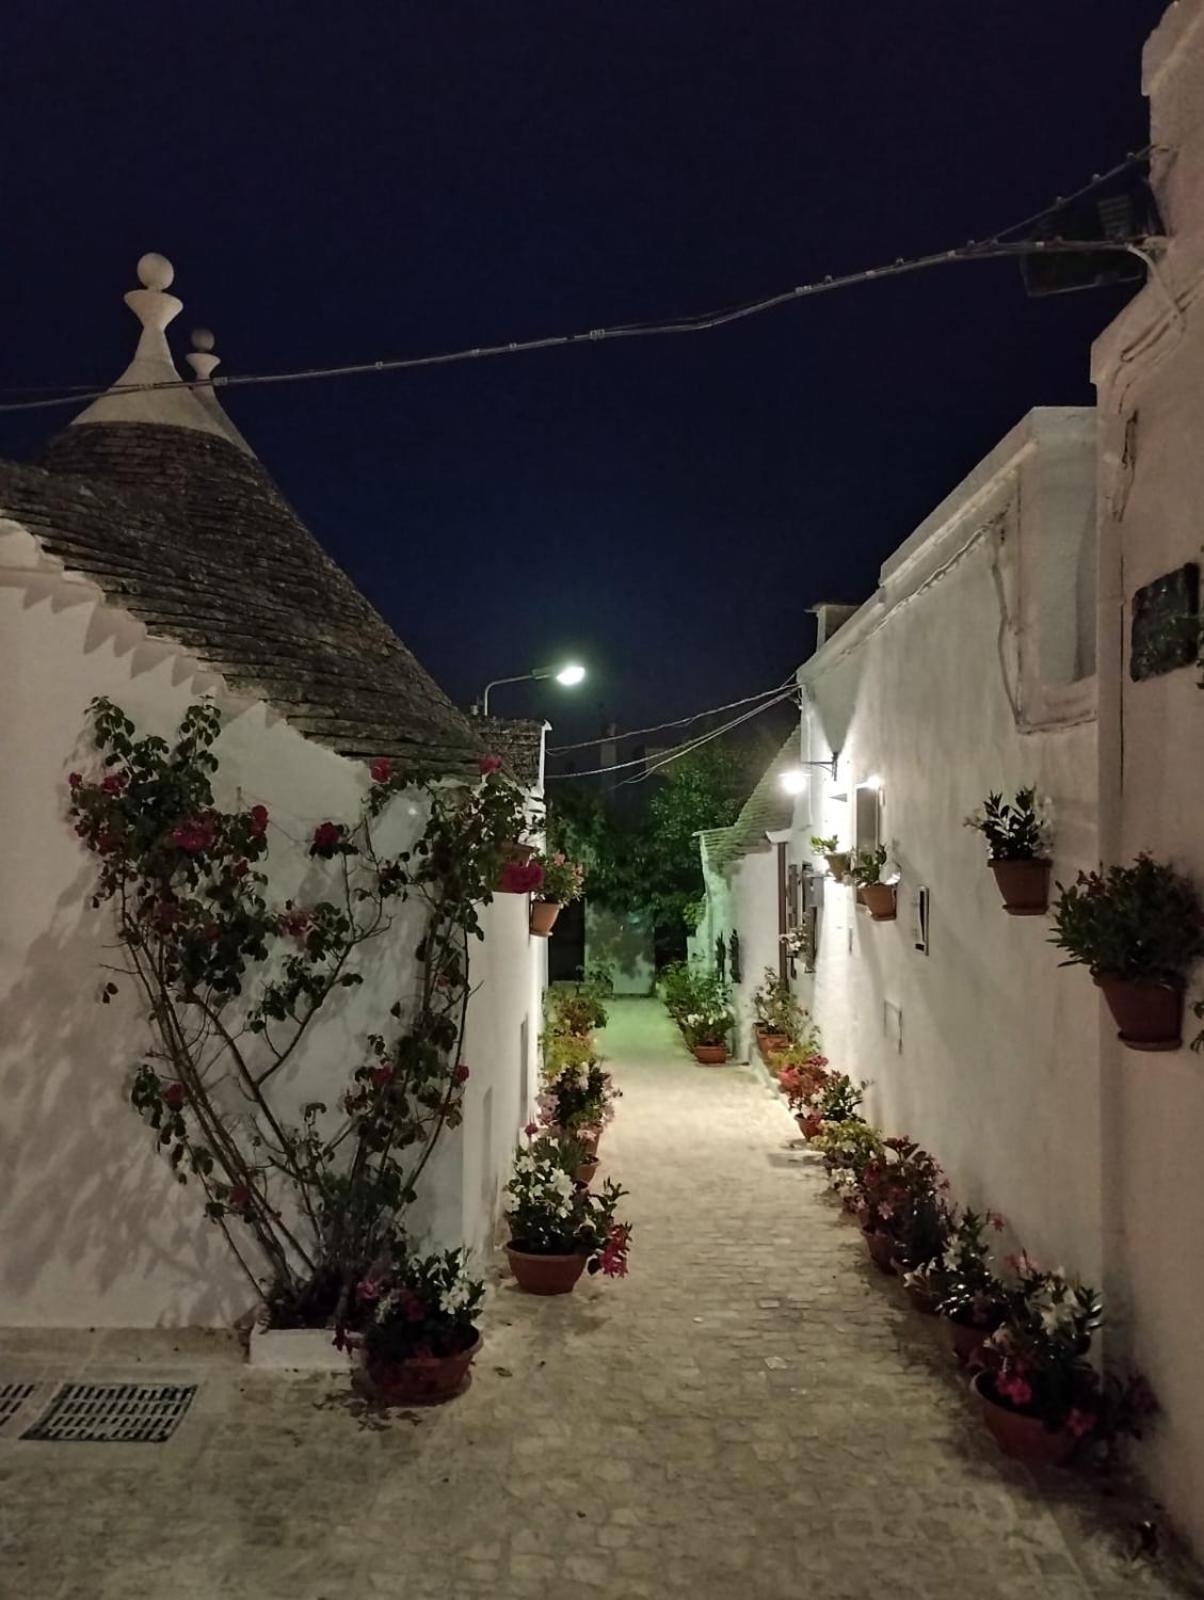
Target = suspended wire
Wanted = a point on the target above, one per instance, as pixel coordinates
(665, 757)
(974, 250)
(678, 722)
(715, 733)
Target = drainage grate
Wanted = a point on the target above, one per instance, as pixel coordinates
(12, 1397)
(115, 1413)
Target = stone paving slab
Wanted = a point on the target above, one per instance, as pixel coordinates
(753, 1413)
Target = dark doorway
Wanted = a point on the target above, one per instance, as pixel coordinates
(566, 947)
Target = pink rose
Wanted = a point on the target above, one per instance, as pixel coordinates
(460, 1075)
(173, 1095)
(381, 770)
(490, 764)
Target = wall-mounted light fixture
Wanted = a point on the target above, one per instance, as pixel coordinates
(794, 779)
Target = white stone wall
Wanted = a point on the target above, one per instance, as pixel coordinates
(93, 1230)
(984, 1049)
(1149, 372)
(753, 911)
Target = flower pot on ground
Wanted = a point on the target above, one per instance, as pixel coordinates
(559, 1228)
(710, 1055)
(1022, 1437)
(875, 892)
(902, 1190)
(969, 1295)
(710, 1020)
(417, 1329)
(1018, 837)
(1024, 886)
(1137, 929)
(966, 1341)
(881, 1247)
(781, 1023)
(810, 1125)
(586, 1171)
(543, 917)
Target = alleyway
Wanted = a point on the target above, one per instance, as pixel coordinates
(748, 1415)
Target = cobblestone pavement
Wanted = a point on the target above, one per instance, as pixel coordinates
(751, 1413)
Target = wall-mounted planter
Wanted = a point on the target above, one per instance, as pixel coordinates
(838, 864)
(880, 901)
(1148, 1015)
(543, 917)
(1024, 886)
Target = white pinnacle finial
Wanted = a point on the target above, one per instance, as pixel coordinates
(201, 358)
(155, 271)
(204, 363)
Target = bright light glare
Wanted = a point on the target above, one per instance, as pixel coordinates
(872, 782)
(570, 675)
(794, 781)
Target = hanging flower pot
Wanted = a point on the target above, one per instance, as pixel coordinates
(879, 899)
(546, 1274)
(419, 1380)
(1149, 1015)
(838, 864)
(710, 1055)
(1024, 885)
(881, 1247)
(1025, 1438)
(543, 917)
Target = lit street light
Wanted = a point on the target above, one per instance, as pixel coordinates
(570, 674)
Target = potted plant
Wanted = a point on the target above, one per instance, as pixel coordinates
(970, 1296)
(415, 1325)
(578, 1100)
(776, 1014)
(707, 1025)
(1018, 840)
(558, 1227)
(837, 859)
(877, 896)
(803, 1083)
(901, 1192)
(1137, 929)
(563, 881)
(1041, 1398)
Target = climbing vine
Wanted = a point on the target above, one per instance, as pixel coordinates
(232, 981)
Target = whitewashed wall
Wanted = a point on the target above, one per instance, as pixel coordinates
(753, 912)
(1149, 372)
(983, 1049)
(93, 1230)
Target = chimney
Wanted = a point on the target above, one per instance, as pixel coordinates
(829, 616)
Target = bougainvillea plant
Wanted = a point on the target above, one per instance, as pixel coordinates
(232, 980)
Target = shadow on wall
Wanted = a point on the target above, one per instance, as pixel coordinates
(88, 1210)
(624, 945)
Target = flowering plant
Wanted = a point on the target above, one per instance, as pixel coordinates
(1037, 1359)
(776, 1009)
(804, 1082)
(551, 1214)
(840, 1098)
(867, 866)
(413, 1306)
(563, 880)
(1143, 922)
(848, 1146)
(967, 1290)
(1019, 831)
(578, 1099)
(903, 1191)
(574, 1011)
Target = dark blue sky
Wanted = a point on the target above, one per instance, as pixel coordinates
(338, 183)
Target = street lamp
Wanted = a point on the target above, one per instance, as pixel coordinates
(570, 674)
(794, 779)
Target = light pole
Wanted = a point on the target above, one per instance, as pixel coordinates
(569, 674)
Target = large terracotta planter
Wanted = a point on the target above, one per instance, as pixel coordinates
(1022, 1437)
(587, 1171)
(881, 1247)
(966, 1341)
(543, 917)
(810, 1124)
(545, 1274)
(921, 1298)
(838, 865)
(1024, 886)
(710, 1055)
(879, 900)
(1149, 1016)
(770, 1043)
(422, 1380)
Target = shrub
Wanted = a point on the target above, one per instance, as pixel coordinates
(1142, 922)
(1019, 831)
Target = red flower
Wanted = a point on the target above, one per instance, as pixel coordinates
(194, 835)
(239, 1198)
(257, 817)
(368, 1289)
(115, 782)
(520, 877)
(327, 837)
(173, 1095)
(74, 780)
(1013, 1387)
(613, 1260)
(240, 869)
(1080, 1423)
(531, 1129)
(294, 922)
(411, 1305)
(382, 1075)
(490, 764)
(381, 770)
(460, 1075)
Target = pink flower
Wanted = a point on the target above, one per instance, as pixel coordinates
(258, 820)
(369, 1289)
(115, 782)
(173, 1095)
(613, 1259)
(74, 779)
(520, 877)
(194, 835)
(382, 1075)
(490, 764)
(1013, 1387)
(381, 770)
(327, 837)
(1080, 1423)
(460, 1075)
(531, 1129)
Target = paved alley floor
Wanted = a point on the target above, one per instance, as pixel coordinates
(752, 1413)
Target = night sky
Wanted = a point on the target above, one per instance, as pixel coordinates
(344, 182)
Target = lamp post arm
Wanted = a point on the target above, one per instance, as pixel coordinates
(496, 683)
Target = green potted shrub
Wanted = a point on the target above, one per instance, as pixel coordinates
(1018, 840)
(558, 1227)
(876, 895)
(1137, 930)
(709, 1021)
(780, 1020)
(837, 859)
(563, 881)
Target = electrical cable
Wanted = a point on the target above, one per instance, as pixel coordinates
(702, 322)
(715, 733)
(678, 722)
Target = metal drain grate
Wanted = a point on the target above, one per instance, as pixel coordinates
(12, 1397)
(113, 1413)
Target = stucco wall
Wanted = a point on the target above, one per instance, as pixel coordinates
(753, 911)
(622, 943)
(1149, 372)
(93, 1230)
(983, 1049)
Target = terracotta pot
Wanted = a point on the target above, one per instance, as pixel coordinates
(1024, 886)
(421, 1380)
(838, 864)
(545, 1274)
(543, 917)
(1149, 1015)
(879, 899)
(881, 1247)
(1023, 1437)
(922, 1299)
(810, 1124)
(587, 1171)
(966, 1341)
(710, 1055)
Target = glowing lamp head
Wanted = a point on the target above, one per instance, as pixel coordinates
(570, 674)
(793, 781)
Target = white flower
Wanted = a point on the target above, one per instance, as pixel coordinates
(455, 1297)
